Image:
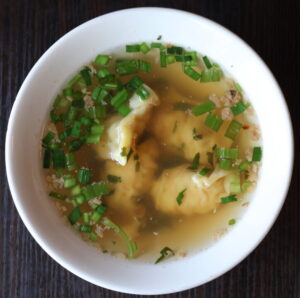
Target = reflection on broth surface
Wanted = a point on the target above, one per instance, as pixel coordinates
(170, 182)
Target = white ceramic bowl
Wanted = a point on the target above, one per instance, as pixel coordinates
(60, 62)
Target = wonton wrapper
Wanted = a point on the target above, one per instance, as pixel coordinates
(133, 184)
(174, 130)
(202, 193)
(121, 132)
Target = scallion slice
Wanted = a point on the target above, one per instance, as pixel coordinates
(95, 190)
(114, 179)
(76, 190)
(102, 60)
(85, 73)
(48, 138)
(126, 67)
(164, 253)
(228, 199)
(225, 164)
(171, 59)
(144, 66)
(195, 162)
(74, 215)
(233, 129)
(193, 74)
(133, 48)
(132, 248)
(163, 59)
(110, 86)
(103, 72)
(70, 161)
(239, 108)
(75, 132)
(120, 98)
(205, 171)
(69, 181)
(143, 93)
(85, 228)
(58, 158)
(97, 214)
(190, 58)
(157, 45)
(124, 110)
(211, 75)
(257, 154)
(79, 199)
(244, 165)
(85, 176)
(134, 83)
(73, 81)
(175, 50)
(207, 62)
(180, 197)
(213, 122)
(231, 153)
(144, 48)
(203, 108)
(57, 195)
(238, 87)
(235, 183)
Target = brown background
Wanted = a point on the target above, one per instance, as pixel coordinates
(28, 28)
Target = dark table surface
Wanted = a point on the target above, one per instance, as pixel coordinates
(28, 28)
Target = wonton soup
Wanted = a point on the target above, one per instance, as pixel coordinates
(151, 151)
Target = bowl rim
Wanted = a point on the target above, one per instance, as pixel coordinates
(9, 158)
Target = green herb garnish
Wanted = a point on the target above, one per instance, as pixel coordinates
(114, 179)
(228, 199)
(180, 197)
(164, 253)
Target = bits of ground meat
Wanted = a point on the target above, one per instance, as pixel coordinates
(230, 98)
(88, 101)
(226, 114)
(214, 98)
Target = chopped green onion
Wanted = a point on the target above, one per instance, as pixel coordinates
(144, 48)
(127, 67)
(48, 138)
(73, 81)
(235, 183)
(244, 165)
(114, 179)
(144, 66)
(80, 199)
(245, 185)
(70, 161)
(85, 176)
(239, 108)
(124, 110)
(237, 87)
(132, 248)
(180, 197)
(58, 158)
(171, 59)
(77, 95)
(93, 237)
(78, 103)
(165, 252)
(134, 83)
(54, 116)
(110, 86)
(68, 92)
(175, 50)
(133, 48)
(231, 153)
(97, 214)
(57, 195)
(129, 154)
(257, 154)
(195, 162)
(205, 171)
(233, 129)
(95, 190)
(123, 151)
(75, 145)
(207, 62)
(85, 121)
(229, 199)
(193, 74)
(102, 60)
(120, 98)
(74, 215)
(225, 164)
(190, 58)
(163, 59)
(76, 190)
(213, 122)
(157, 45)
(231, 222)
(71, 114)
(75, 132)
(102, 73)
(211, 75)
(85, 73)
(97, 129)
(69, 181)
(142, 92)
(204, 108)
(96, 112)
(85, 228)
(47, 159)
(86, 217)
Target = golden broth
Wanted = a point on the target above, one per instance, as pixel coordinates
(158, 229)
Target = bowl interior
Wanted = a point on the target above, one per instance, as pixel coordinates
(80, 46)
